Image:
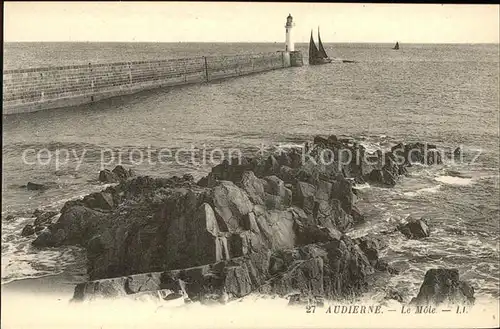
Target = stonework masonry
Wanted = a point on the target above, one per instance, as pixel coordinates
(29, 90)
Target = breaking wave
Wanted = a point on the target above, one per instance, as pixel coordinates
(453, 180)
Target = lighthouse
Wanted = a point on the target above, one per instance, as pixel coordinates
(289, 45)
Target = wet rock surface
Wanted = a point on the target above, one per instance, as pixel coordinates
(118, 174)
(444, 286)
(270, 224)
(414, 228)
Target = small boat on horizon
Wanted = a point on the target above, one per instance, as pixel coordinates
(396, 46)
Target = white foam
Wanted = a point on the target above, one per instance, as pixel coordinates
(452, 180)
(289, 146)
(361, 186)
(433, 189)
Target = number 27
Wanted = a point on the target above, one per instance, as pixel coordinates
(310, 308)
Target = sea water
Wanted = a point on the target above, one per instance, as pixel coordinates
(441, 94)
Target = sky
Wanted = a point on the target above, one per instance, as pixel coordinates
(248, 22)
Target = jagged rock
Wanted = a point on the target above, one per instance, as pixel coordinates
(49, 238)
(99, 200)
(107, 176)
(298, 299)
(412, 153)
(28, 230)
(207, 181)
(395, 295)
(121, 172)
(44, 217)
(414, 228)
(382, 266)
(188, 177)
(318, 140)
(266, 223)
(304, 196)
(331, 269)
(40, 228)
(36, 187)
(231, 204)
(370, 246)
(444, 286)
(75, 226)
(357, 216)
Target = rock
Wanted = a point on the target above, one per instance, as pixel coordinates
(272, 166)
(357, 216)
(28, 230)
(76, 225)
(370, 246)
(272, 224)
(9, 218)
(36, 187)
(330, 270)
(231, 204)
(99, 200)
(382, 266)
(301, 299)
(395, 295)
(318, 140)
(49, 239)
(304, 196)
(298, 299)
(414, 228)
(122, 173)
(188, 177)
(207, 181)
(40, 228)
(44, 217)
(107, 176)
(443, 285)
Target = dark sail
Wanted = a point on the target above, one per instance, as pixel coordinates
(396, 47)
(315, 55)
(322, 51)
(313, 50)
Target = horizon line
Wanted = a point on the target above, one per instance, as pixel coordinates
(270, 42)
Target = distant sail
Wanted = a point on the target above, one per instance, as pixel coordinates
(396, 47)
(322, 51)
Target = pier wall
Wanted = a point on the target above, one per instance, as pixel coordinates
(29, 90)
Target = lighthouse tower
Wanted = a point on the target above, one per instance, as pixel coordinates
(289, 45)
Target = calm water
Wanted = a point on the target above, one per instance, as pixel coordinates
(444, 94)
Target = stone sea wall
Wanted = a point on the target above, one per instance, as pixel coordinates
(29, 90)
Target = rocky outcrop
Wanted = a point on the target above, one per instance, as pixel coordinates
(36, 186)
(28, 230)
(444, 286)
(43, 219)
(333, 269)
(414, 228)
(118, 174)
(273, 224)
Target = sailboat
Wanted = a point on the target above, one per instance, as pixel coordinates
(396, 46)
(317, 56)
